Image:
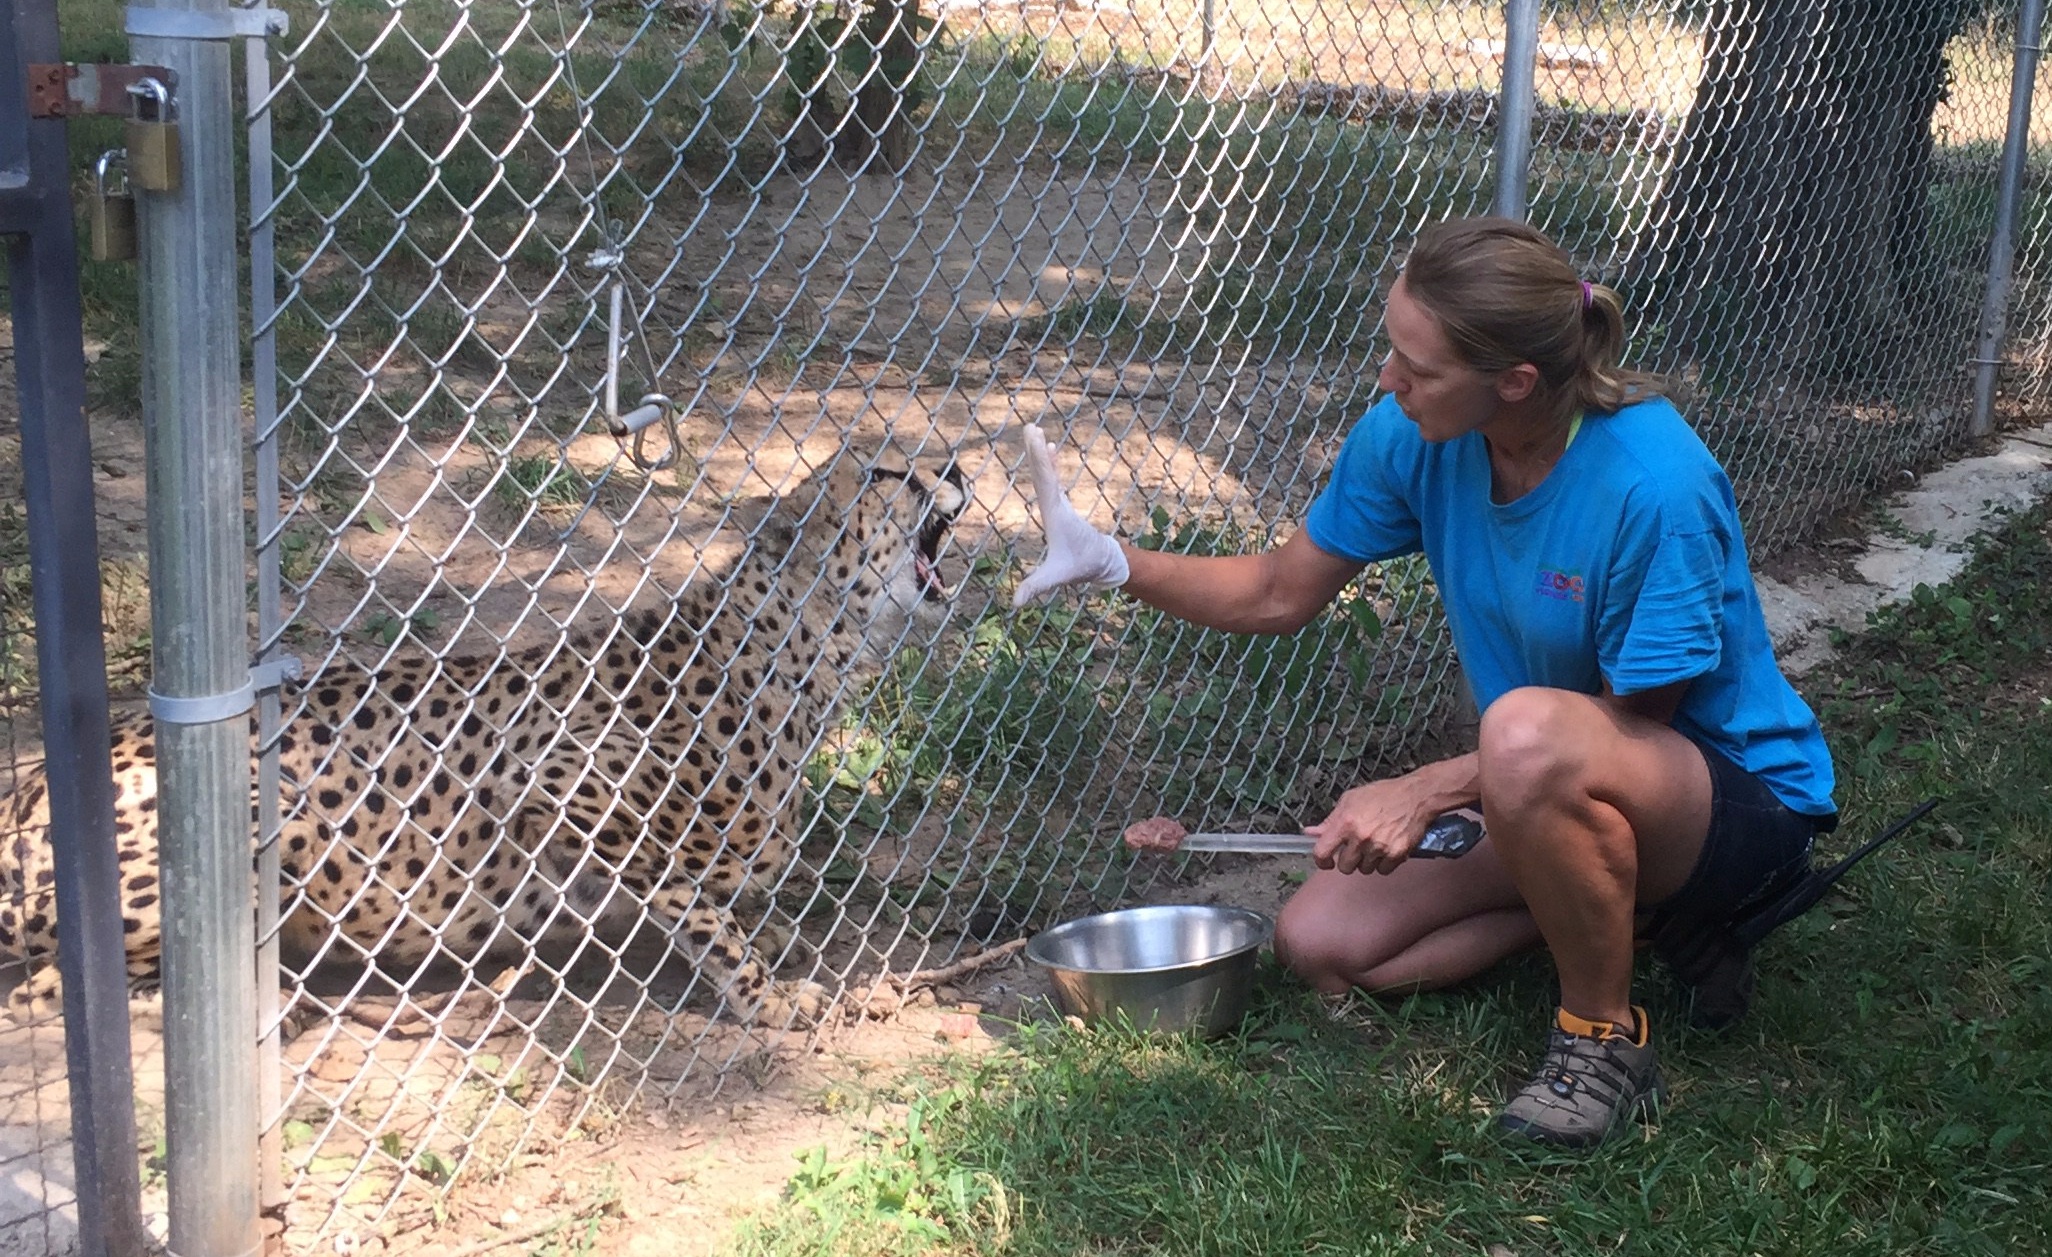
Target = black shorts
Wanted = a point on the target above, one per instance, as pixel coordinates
(1755, 846)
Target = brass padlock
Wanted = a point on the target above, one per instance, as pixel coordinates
(155, 163)
(111, 215)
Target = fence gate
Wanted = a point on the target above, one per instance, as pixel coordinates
(68, 1173)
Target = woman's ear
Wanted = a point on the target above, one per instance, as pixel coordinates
(1515, 384)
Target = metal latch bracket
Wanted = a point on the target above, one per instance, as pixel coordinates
(68, 89)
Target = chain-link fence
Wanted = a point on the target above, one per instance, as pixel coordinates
(781, 236)
(2027, 355)
(577, 305)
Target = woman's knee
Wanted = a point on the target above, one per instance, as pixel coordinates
(1308, 944)
(1528, 744)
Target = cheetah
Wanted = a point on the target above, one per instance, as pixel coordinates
(466, 807)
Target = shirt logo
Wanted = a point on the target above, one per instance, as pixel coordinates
(1566, 586)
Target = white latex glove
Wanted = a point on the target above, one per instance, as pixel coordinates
(1078, 556)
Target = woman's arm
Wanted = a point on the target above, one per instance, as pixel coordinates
(1275, 591)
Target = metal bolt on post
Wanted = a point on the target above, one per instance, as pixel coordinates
(200, 689)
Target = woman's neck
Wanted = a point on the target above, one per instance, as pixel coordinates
(1524, 444)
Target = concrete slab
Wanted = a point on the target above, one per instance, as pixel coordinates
(1927, 536)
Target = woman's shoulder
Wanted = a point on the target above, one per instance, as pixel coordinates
(1656, 416)
(1385, 435)
(1649, 451)
(1655, 435)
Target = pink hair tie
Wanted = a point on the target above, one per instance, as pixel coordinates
(1588, 296)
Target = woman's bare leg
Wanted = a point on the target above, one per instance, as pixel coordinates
(1455, 953)
(1428, 924)
(1593, 811)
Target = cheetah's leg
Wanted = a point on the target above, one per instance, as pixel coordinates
(709, 939)
(41, 995)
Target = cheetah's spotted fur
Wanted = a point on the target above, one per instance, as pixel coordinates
(458, 806)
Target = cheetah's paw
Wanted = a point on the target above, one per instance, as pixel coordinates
(791, 1004)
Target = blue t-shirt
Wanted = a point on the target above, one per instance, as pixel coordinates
(1625, 563)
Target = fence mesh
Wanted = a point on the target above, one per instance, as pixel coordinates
(1161, 231)
(39, 1190)
(2027, 354)
(792, 236)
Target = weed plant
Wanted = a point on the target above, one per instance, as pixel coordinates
(1890, 1093)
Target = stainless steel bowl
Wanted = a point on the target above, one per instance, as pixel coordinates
(1175, 968)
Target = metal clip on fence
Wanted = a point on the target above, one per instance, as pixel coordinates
(653, 407)
(234, 23)
(206, 709)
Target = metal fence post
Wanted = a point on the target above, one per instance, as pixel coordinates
(263, 307)
(64, 560)
(200, 693)
(2030, 23)
(1514, 107)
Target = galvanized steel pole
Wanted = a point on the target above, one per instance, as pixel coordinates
(263, 309)
(1514, 107)
(2030, 24)
(192, 420)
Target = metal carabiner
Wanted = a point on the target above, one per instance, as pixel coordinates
(637, 422)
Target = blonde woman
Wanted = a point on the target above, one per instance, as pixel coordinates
(1644, 768)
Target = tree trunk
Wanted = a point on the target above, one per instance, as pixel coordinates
(1790, 235)
(888, 94)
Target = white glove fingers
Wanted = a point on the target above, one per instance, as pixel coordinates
(1047, 482)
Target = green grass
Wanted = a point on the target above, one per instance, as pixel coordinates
(1890, 1094)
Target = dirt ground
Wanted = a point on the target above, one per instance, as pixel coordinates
(674, 1181)
(663, 1176)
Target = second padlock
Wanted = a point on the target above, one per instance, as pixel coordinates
(110, 215)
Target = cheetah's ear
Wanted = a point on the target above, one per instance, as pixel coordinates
(889, 462)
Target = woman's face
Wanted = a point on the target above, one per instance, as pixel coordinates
(1444, 396)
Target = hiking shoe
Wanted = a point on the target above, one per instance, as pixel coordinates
(1587, 1086)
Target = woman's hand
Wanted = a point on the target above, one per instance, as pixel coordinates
(1159, 833)
(1078, 556)
(1372, 829)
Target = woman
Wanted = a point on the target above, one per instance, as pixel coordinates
(1644, 768)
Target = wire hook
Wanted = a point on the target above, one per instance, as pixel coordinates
(653, 407)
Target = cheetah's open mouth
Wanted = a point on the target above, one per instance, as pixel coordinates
(930, 584)
(947, 502)
(926, 560)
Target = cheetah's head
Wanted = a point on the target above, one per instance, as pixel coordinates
(876, 533)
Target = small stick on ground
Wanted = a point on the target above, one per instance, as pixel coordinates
(886, 996)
